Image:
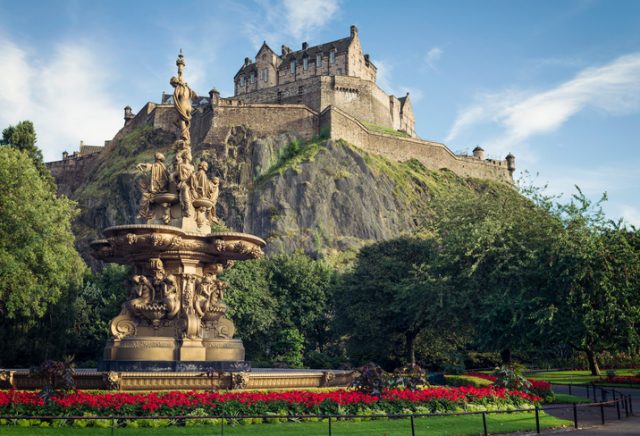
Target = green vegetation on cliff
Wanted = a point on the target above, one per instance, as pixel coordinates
(386, 130)
(119, 163)
(291, 156)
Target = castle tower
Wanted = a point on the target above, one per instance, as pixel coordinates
(511, 163)
(128, 114)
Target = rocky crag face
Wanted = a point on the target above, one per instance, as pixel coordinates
(316, 196)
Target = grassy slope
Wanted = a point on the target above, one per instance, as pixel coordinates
(459, 425)
(579, 377)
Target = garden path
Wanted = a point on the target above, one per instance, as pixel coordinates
(589, 419)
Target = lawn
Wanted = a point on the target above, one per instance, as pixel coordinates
(579, 377)
(461, 425)
(446, 425)
(569, 399)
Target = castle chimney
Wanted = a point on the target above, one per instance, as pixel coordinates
(247, 61)
(214, 96)
(305, 45)
(478, 153)
(128, 116)
(285, 50)
(511, 162)
(354, 30)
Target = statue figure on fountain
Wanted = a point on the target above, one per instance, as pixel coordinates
(182, 97)
(191, 191)
(182, 176)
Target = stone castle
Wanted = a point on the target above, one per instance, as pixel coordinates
(334, 74)
(326, 90)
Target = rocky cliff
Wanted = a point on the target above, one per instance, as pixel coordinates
(315, 196)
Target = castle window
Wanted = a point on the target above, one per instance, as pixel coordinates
(241, 80)
(332, 56)
(339, 71)
(300, 90)
(279, 96)
(293, 66)
(265, 75)
(252, 78)
(305, 63)
(318, 60)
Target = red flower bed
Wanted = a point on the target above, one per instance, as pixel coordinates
(538, 385)
(235, 403)
(483, 375)
(624, 379)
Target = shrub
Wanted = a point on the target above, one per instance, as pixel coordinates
(466, 380)
(58, 376)
(511, 378)
(371, 379)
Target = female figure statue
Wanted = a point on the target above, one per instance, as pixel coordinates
(182, 96)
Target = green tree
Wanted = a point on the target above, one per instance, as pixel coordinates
(497, 249)
(281, 308)
(22, 136)
(88, 310)
(392, 299)
(38, 260)
(303, 288)
(596, 306)
(252, 307)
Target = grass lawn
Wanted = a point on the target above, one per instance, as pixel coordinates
(446, 425)
(569, 399)
(580, 377)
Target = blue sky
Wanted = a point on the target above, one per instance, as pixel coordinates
(557, 83)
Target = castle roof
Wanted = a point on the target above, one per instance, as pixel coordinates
(247, 69)
(339, 45)
(403, 100)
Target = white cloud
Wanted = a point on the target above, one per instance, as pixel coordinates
(613, 88)
(433, 55)
(65, 96)
(384, 81)
(306, 16)
(630, 214)
(279, 20)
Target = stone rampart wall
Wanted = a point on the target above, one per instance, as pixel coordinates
(70, 173)
(213, 126)
(433, 155)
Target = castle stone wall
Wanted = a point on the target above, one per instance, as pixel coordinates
(363, 99)
(71, 173)
(269, 119)
(433, 155)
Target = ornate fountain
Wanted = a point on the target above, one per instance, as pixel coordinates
(175, 317)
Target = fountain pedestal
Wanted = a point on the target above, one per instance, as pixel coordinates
(175, 318)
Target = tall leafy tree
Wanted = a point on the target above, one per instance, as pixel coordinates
(596, 306)
(38, 260)
(281, 307)
(393, 296)
(22, 136)
(497, 247)
(251, 305)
